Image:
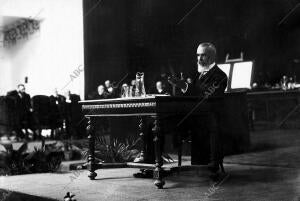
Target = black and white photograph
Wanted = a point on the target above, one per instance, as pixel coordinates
(149, 100)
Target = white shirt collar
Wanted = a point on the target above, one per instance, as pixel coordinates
(211, 66)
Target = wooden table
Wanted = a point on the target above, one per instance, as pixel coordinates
(156, 107)
(274, 108)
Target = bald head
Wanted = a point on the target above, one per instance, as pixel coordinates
(101, 89)
(206, 55)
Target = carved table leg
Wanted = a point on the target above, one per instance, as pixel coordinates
(157, 174)
(142, 136)
(91, 158)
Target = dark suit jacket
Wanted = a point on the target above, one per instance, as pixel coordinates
(212, 84)
(58, 108)
(73, 109)
(23, 104)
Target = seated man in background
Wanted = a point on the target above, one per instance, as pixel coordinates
(112, 89)
(24, 109)
(102, 125)
(209, 81)
(58, 103)
(73, 116)
(189, 80)
(58, 98)
(160, 88)
(101, 93)
(107, 85)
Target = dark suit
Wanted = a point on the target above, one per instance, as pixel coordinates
(105, 95)
(206, 144)
(206, 139)
(58, 106)
(201, 85)
(95, 95)
(23, 101)
(163, 92)
(74, 117)
(23, 105)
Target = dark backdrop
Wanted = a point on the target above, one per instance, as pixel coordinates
(161, 36)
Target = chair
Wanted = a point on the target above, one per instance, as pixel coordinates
(44, 114)
(8, 115)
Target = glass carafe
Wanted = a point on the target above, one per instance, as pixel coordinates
(139, 85)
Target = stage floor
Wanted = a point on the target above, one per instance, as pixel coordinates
(271, 171)
(244, 183)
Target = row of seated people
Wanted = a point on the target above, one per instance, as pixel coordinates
(25, 115)
(111, 90)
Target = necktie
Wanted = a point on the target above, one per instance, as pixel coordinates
(202, 74)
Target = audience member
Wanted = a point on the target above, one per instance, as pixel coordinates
(114, 90)
(24, 109)
(73, 114)
(101, 93)
(160, 88)
(107, 85)
(58, 103)
(57, 97)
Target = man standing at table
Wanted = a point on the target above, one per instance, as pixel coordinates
(209, 81)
